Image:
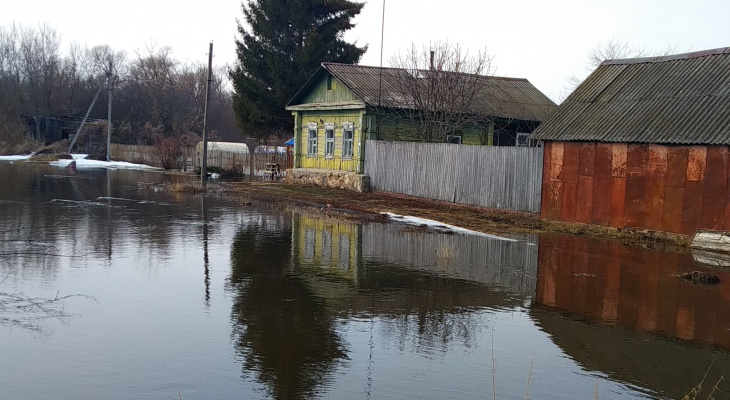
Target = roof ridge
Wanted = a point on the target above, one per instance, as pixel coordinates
(673, 57)
(505, 78)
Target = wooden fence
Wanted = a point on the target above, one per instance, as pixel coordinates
(499, 177)
(230, 161)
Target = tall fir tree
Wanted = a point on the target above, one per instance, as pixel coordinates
(282, 44)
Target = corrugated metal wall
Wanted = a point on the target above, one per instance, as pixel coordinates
(507, 178)
(666, 188)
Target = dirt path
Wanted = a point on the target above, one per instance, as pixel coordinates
(370, 205)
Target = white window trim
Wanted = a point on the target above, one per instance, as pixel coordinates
(348, 126)
(329, 143)
(517, 139)
(311, 127)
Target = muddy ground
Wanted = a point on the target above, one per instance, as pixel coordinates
(368, 206)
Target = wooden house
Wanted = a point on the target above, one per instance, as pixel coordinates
(342, 106)
(643, 143)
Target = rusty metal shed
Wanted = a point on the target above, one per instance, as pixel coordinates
(643, 143)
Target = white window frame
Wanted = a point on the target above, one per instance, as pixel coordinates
(329, 140)
(522, 135)
(312, 139)
(348, 144)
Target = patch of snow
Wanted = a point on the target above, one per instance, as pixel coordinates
(406, 219)
(14, 158)
(83, 163)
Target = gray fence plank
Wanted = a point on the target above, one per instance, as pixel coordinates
(507, 178)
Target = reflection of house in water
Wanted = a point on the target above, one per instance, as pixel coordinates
(344, 248)
(633, 289)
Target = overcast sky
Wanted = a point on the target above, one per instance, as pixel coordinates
(543, 41)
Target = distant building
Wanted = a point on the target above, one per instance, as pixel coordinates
(49, 130)
(644, 143)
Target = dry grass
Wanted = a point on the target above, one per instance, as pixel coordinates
(697, 390)
(188, 187)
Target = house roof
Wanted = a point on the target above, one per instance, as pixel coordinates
(512, 98)
(679, 99)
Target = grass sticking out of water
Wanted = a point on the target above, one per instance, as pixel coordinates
(188, 187)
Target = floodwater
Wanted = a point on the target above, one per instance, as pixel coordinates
(111, 288)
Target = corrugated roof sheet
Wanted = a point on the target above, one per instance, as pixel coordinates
(679, 99)
(510, 98)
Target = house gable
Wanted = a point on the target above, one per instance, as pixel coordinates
(325, 92)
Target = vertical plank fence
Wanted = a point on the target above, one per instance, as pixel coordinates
(190, 159)
(499, 177)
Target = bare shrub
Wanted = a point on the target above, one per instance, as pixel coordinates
(168, 152)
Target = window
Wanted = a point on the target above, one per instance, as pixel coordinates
(312, 142)
(522, 139)
(330, 83)
(329, 140)
(348, 135)
(454, 139)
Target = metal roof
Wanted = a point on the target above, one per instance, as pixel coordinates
(678, 99)
(511, 98)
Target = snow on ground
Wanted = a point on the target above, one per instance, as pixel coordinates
(83, 163)
(441, 226)
(14, 158)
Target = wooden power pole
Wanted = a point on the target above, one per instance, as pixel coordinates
(109, 115)
(204, 166)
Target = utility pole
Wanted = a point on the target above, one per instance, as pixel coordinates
(204, 166)
(109, 114)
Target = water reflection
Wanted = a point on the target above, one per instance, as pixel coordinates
(627, 295)
(283, 332)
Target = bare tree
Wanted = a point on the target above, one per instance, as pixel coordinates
(439, 90)
(613, 50)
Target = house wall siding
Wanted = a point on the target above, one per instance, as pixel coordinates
(320, 161)
(665, 188)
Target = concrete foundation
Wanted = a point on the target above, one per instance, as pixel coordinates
(329, 178)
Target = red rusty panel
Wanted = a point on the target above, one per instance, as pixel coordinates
(654, 200)
(636, 160)
(726, 226)
(586, 160)
(635, 212)
(656, 167)
(571, 153)
(552, 195)
(672, 215)
(656, 171)
(677, 166)
(716, 176)
(691, 207)
(601, 202)
(602, 161)
(553, 162)
(618, 160)
(585, 199)
(713, 216)
(618, 202)
(569, 202)
(696, 163)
